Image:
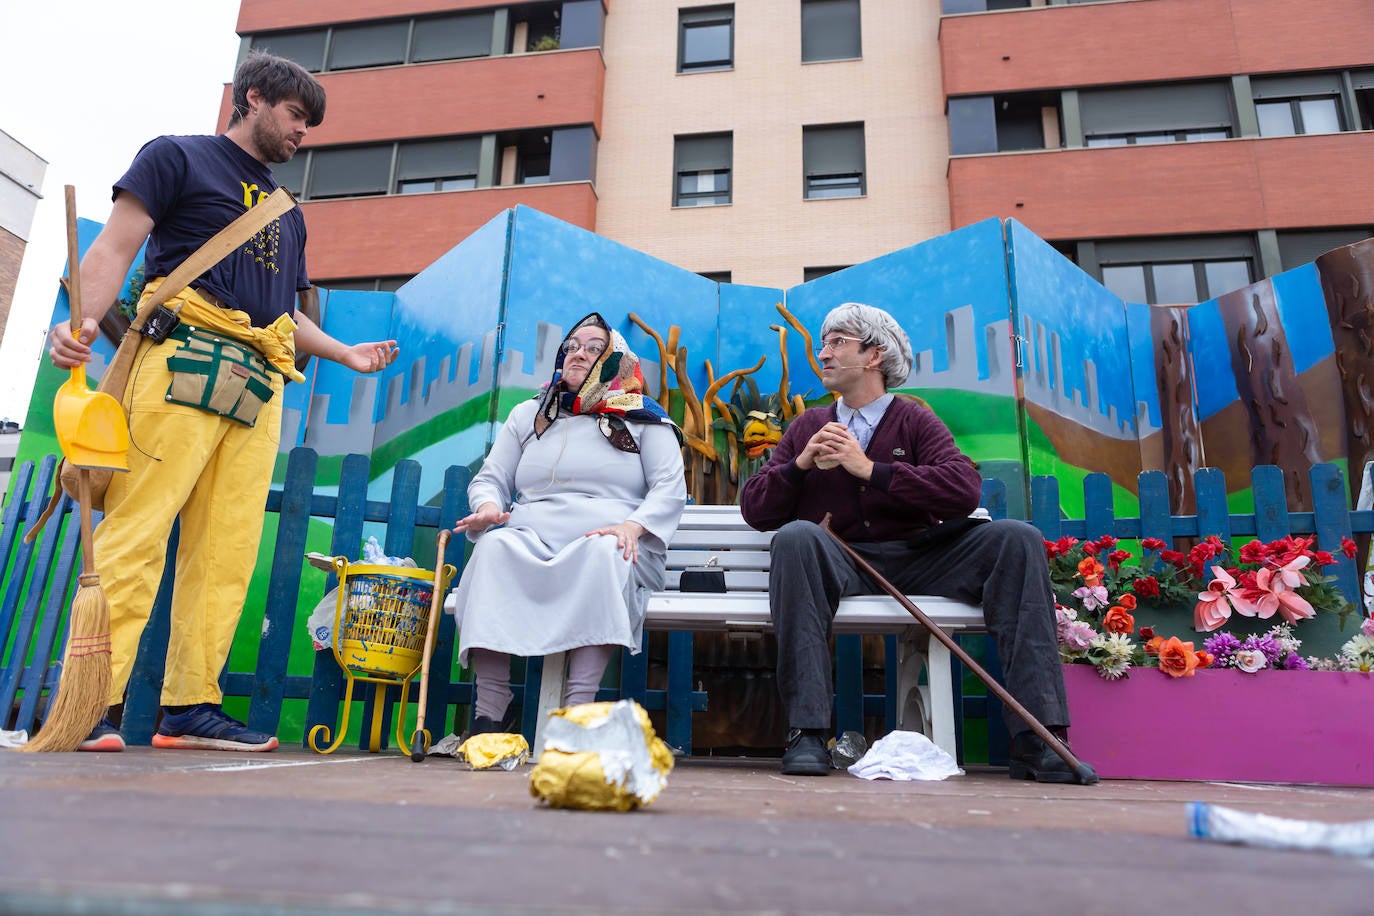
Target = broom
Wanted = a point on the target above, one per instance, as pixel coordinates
(83, 692)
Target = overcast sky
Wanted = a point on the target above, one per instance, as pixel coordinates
(84, 89)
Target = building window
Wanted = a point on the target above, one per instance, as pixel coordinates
(369, 284)
(830, 30)
(833, 161)
(706, 39)
(701, 169)
(437, 165)
(1176, 283)
(1287, 117)
(372, 45)
(349, 172)
(1168, 113)
(815, 273)
(451, 37)
(305, 48)
(380, 44)
(1151, 137)
(1303, 246)
(291, 174)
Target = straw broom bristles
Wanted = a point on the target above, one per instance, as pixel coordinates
(83, 693)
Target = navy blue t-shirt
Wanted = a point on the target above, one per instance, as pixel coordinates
(195, 186)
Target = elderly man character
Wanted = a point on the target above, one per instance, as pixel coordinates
(900, 492)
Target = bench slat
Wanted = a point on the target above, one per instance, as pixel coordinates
(725, 559)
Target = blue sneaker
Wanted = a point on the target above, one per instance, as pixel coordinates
(205, 727)
(104, 737)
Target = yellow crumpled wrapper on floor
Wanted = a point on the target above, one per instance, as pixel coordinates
(495, 749)
(601, 757)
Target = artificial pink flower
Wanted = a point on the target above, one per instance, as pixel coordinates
(1250, 660)
(1278, 591)
(1092, 596)
(1367, 628)
(1077, 635)
(1214, 605)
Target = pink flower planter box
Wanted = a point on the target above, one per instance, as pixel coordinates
(1273, 726)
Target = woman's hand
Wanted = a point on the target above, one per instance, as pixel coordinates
(626, 534)
(487, 514)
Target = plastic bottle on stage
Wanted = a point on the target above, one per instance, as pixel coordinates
(846, 752)
(1227, 825)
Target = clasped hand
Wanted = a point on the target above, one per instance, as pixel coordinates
(834, 445)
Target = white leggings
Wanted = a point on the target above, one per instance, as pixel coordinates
(491, 670)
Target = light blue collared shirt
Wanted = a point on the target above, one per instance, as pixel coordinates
(863, 421)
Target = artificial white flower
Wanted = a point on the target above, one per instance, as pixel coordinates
(1250, 660)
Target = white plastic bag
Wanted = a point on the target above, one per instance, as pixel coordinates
(905, 756)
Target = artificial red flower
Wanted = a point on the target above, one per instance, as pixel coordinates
(1091, 548)
(1147, 633)
(1322, 558)
(1173, 557)
(1153, 544)
(1116, 558)
(1348, 548)
(1147, 587)
(1253, 552)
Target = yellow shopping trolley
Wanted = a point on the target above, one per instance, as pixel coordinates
(384, 624)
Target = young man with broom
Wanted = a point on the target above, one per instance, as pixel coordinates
(898, 490)
(194, 453)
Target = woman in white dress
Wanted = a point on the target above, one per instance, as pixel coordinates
(575, 506)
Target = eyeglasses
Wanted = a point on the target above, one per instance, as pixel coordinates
(835, 342)
(594, 348)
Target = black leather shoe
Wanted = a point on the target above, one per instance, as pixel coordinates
(1031, 758)
(481, 725)
(805, 755)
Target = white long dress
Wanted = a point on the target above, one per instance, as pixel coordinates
(538, 584)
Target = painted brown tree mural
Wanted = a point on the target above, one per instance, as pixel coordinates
(1347, 279)
(1283, 431)
(1182, 434)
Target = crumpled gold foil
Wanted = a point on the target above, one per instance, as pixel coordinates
(601, 757)
(495, 749)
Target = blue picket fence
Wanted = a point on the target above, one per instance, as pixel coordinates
(40, 581)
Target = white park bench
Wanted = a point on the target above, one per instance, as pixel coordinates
(719, 533)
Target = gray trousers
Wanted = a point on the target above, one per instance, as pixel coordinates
(999, 565)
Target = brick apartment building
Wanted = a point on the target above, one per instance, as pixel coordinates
(1176, 149)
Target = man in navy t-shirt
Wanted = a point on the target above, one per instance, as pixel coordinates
(203, 449)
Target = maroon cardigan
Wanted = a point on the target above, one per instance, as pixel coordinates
(919, 478)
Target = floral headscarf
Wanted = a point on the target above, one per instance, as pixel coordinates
(614, 391)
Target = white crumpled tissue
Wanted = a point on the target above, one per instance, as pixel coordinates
(905, 756)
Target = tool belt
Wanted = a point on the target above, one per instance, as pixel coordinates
(218, 374)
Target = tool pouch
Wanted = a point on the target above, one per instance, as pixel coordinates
(218, 375)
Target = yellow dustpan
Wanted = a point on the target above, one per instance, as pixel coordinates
(91, 427)
(93, 434)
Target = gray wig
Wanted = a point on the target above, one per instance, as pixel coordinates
(875, 328)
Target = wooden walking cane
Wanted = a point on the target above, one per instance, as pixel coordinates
(419, 742)
(91, 429)
(1084, 772)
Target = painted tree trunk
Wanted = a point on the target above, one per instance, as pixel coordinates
(1182, 433)
(1282, 429)
(1347, 278)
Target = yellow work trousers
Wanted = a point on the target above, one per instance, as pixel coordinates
(215, 474)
